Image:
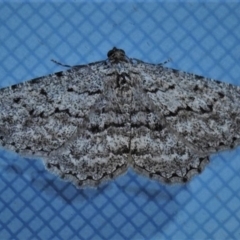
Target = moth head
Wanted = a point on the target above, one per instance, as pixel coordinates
(117, 55)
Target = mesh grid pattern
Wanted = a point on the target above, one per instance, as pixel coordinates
(201, 38)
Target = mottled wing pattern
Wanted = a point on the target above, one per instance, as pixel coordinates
(58, 117)
(203, 111)
(100, 148)
(201, 116)
(38, 116)
(92, 122)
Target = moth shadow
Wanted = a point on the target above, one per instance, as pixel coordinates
(134, 184)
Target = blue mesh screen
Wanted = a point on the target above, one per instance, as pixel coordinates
(199, 37)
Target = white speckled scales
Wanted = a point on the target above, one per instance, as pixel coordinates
(91, 122)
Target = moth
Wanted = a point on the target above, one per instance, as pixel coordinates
(92, 122)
